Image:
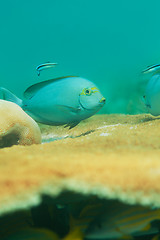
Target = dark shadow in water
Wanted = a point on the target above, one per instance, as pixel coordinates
(148, 119)
(9, 140)
(60, 138)
(55, 213)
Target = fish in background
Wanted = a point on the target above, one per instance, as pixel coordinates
(152, 69)
(118, 220)
(151, 97)
(44, 66)
(79, 223)
(61, 101)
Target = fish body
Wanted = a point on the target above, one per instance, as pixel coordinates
(152, 95)
(152, 69)
(66, 100)
(43, 66)
(119, 220)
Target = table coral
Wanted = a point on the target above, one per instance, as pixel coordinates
(16, 127)
(122, 165)
(107, 157)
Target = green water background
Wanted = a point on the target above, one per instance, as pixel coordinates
(108, 42)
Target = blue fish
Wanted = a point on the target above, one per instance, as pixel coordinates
(65, 100)
(44, 66)
(152, 95)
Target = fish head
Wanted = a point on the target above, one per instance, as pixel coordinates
(90, 98)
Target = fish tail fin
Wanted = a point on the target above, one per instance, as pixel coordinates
(8, 96)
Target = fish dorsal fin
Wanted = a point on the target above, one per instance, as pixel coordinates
(30, 91)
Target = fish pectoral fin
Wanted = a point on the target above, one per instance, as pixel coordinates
(75, 110)
(67, 109)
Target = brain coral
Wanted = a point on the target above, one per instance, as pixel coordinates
(16, 127)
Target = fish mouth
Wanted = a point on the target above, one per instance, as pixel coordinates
(99, 105)
(103, 100)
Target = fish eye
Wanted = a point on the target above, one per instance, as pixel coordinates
(88, 91)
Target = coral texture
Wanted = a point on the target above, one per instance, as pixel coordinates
(16, 127)
(110, 156)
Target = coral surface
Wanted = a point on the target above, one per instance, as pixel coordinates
(104, 158)
(110, 156)
(16, 127)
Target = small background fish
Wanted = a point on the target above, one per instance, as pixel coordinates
(44, 66)
(152, 69)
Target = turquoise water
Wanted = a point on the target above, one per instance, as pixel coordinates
(108, 42)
